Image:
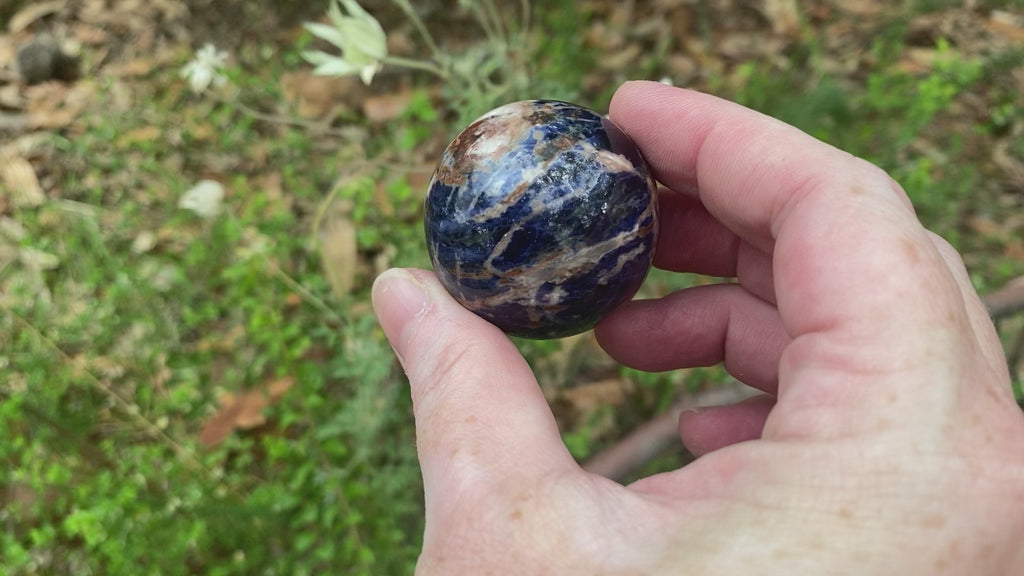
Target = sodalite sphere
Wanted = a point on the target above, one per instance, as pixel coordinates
(541, 217)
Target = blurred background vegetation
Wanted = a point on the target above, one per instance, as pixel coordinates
(191, 377)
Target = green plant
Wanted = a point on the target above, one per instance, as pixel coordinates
(128, 323)
(884, 121)
(476, 78)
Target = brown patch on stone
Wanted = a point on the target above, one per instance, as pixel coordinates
(542, 114)
(458, 147)
(504, 203)
(446, 175)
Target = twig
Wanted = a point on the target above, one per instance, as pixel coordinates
(320, 127)
(428, 38)
(304, 292)
(414, 64)
(497, 21)
(130, 409)
(15, 122)
(524, 8)
(1015, 353)
(1005, 301)
(653, 437)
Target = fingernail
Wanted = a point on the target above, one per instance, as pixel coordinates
(398, 299)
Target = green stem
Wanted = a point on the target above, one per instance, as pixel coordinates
(129, 409)
(292, 283)
(418, 65)
(496, 23)
(482, 19)
(525, 23)
(410, 12)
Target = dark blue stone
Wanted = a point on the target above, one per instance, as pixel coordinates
(542, 218)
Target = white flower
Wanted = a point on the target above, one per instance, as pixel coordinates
(204, 198)
(205, 68)
(360, 38)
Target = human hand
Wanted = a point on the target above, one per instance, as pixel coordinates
(887, 442)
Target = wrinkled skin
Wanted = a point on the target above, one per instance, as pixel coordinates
(887, 440)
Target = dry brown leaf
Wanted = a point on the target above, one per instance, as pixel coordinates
(243, 411)
(54, 105)
(10, 97)
(419, 179)
(1007, 25)
(28, 145)
(132, 68)
(321, 97)
(89, 35)
(382, 261)
(784, 16)
(1014, 250)
(7, 51)
(984, 226)
(277, 387)
(747, 45)
(918, 60)
(587, 398)
(221, 341)
(56, 119)
(1004, 158)
(860, 7)
(34, 11)
(339, 254)
(21, 182)
(621, 59)
(386, 107)
(139, 135)
(382, 198)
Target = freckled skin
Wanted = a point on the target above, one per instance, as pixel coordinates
(541, 217)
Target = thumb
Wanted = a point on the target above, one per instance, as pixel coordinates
(480, 416)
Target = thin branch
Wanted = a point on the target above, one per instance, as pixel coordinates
(524, 6)
(496, 21)
(484, 21)
(1015, 353)
(128, 408)
(320, 127)
(1005, 301)
(651, 438)
(410, 13)
(413, 64)
(304, 292)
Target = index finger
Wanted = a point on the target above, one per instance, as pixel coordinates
(871, 307)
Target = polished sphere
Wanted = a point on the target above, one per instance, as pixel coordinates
(542, 217)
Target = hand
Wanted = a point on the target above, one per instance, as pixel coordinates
(887, 442)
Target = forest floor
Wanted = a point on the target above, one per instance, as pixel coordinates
(203, 384)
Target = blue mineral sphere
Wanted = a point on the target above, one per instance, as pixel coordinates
(541, 217)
